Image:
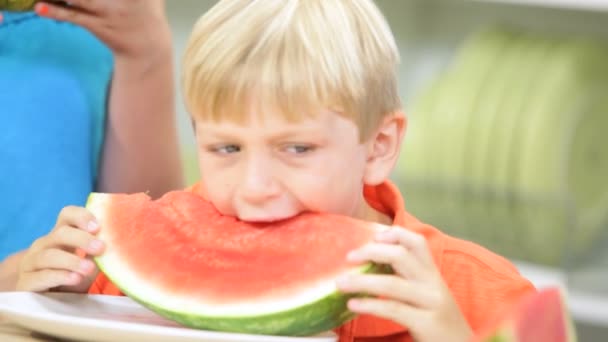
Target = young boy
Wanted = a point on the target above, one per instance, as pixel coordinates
(295, 107)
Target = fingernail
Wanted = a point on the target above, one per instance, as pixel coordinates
(354, 304)
(353, 256)
(92, 226)
(95, 245)
(85, 266)
(42, 9)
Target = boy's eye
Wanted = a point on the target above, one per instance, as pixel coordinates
(299, 149)
(225, 149)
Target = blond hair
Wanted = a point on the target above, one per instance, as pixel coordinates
(293, 56)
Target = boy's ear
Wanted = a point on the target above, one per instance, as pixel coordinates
(384, 147)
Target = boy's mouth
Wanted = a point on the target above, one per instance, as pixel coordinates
(267, 220)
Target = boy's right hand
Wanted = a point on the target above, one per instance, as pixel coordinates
(52, 262)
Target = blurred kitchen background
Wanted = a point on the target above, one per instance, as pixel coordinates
(507, 143)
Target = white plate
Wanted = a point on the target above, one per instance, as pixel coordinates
(112, 318)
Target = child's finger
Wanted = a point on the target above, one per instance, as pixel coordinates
(67, 237)
(77, 217)
(390, 287)
(71, 237)
(47, 279)
(90, 6)
(389, 309)
(59, 260)
(63, 13)
(402, 261)
(413, 242)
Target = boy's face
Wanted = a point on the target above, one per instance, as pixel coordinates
(270, 169)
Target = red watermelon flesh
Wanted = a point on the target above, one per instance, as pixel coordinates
(179, 255)
(541, 316)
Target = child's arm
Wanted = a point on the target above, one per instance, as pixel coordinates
(141, 151)
(8, 271)
(415, 296)
(52, 262)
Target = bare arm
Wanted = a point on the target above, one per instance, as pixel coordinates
(9, 269)
(141, 151)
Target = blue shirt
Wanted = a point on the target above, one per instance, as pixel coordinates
(54, 80)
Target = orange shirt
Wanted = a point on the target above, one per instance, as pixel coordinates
(482, 283)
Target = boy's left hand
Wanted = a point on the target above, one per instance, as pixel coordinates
(131, 28)
(415, 296)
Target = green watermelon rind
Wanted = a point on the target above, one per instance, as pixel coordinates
(504, 335)
(321, 315)
(17, 5)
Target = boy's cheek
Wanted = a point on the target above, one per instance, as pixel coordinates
(216, 192)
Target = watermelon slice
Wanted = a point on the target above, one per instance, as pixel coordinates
(17, 5)
(473, 66)
(479, 195)
(588, 161)
(25, 5)
(181, 258)
(565, 100)
(536, 52)
(541, 316)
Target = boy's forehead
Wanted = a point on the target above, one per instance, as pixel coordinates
(320, 120)
(259, 115)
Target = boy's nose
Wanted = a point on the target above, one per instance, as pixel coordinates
(258, 184)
